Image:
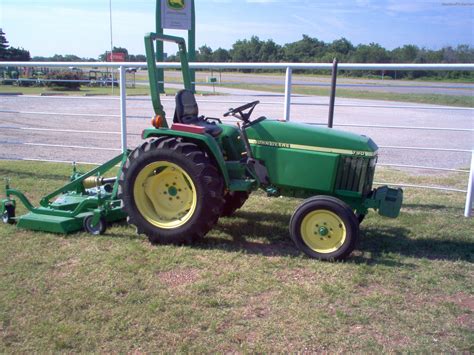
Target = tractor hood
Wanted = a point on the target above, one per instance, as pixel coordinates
(307, 137)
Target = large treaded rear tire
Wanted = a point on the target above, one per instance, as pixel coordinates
(186, 210)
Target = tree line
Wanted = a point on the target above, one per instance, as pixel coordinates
(8, 53)
(312, 50)
(305, 50)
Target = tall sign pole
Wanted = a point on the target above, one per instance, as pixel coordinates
(178, 15)
(159, 48)
(192, 45)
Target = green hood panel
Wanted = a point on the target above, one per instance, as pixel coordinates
(304, 136)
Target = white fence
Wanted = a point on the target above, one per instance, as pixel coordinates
(286, 103)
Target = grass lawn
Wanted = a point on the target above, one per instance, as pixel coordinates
(85, 90)
(407, 288)
(433, 99)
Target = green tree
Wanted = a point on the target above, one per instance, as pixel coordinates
(221, 55)
(305, 50)
(405, 54)
(341, 46)
(3, 45)
(372, 53)
(18, 55)
(204, 54)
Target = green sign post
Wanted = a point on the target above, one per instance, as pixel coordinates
(180, 15)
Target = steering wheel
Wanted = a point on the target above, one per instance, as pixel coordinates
(240, 114)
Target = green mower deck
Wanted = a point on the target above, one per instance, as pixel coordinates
(89, 201)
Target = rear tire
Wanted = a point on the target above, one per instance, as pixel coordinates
(233, 201)
(324, 228)
(171, 191)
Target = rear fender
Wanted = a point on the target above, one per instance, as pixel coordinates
(204, 141)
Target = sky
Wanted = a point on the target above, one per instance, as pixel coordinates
(81, 27)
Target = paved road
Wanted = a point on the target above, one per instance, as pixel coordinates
(400, 87)
(12, 141)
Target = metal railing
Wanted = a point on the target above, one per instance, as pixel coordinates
(287, 104)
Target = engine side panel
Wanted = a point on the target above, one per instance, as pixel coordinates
(299, 169)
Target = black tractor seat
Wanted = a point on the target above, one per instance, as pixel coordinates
(187, 112)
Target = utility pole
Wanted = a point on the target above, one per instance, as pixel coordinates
(111, 44)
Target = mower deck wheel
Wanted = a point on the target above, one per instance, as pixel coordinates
(98, 229)
(8, 216)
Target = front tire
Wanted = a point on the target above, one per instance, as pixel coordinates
(324, 228)
(171, 191)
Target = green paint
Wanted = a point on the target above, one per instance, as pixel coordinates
(323, 231)
(153, 71)
(172, 191)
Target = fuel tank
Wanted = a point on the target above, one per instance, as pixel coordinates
(319, 159)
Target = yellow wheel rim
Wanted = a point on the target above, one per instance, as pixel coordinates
(165, 195)
(323, 231)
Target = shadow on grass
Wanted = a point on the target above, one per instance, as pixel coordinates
(250, 235)
(455, 210)
(382, 240)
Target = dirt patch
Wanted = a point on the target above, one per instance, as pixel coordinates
(299, 276)
(374, 289)
(64, 269)
(258, 306)
(462, 300)
(270, 249)
(179, 277)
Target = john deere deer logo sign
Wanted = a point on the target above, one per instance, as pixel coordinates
(176, 4)
(176, 14)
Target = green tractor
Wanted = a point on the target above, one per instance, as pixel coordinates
(183, 178)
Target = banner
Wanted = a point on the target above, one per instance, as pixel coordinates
(176, 14)
(115, 57)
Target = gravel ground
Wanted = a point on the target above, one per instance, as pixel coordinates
(19, 143)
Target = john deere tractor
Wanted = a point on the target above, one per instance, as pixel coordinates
(184, 177)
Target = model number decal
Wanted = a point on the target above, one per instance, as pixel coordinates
(357, 153)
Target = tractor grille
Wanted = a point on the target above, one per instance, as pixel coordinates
(356, 174)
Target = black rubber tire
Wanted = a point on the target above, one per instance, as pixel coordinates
(233, 201)
(98, 229)
(339, 208)
(9, 214)
(204, 175)
(360, 217)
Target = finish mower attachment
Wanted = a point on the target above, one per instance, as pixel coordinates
(88, 202)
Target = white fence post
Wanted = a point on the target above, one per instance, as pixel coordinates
(469, 195)
(287, 107)
(123, 106)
